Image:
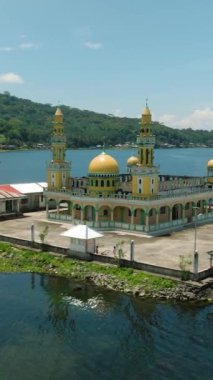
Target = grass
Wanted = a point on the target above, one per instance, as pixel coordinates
(13, 259)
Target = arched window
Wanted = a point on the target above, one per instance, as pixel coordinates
(102, 183)
(147, 156)
(96, 182)
(108, 183)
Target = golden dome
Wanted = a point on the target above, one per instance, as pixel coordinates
(133, 160)
(103, 164)
(210, 164)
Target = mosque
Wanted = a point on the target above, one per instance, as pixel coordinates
(140, 200)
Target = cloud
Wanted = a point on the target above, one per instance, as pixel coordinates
(6, 48)
(23, 46)
(11, 78)
(198, 119)
(117, 113)
(29, 45)
(93, 45)
(167, 119)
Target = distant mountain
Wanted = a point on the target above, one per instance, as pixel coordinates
(26, 123)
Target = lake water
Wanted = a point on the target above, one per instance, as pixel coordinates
(30, 166)
(49, 330)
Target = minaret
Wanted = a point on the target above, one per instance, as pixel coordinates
(145, 174)
(58, 168)
(146, 140)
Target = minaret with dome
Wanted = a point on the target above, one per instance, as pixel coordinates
(58, 168)
(144, 172)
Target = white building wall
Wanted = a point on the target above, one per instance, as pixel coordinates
(2, 206)
(42, 201)
(79, 245)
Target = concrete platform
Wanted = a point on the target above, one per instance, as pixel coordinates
(163, 251)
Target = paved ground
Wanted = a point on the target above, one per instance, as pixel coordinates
(162, 251)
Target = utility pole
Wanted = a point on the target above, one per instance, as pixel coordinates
(195, 244)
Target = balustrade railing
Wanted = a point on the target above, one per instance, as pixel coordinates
(170, 194)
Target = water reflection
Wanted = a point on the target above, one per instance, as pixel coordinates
(67, 298)
(54, 327)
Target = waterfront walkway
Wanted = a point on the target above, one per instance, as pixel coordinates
(162, 251)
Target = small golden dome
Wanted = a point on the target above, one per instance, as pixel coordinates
(103, 164)
(210, 164)
(133, 160)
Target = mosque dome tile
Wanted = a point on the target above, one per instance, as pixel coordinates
(103, 164)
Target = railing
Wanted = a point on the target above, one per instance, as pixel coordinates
(106, 225)
(167, 225)
(56, 216)
(120, 197)
(203, 217)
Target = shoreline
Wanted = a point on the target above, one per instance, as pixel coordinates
(125, 280)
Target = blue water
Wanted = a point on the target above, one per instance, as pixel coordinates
(30, 166)
(50, 330)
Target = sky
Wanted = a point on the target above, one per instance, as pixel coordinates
(108, 56)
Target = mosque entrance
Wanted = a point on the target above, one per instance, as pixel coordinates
(177, 212)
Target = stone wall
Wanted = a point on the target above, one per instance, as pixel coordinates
(153, 268)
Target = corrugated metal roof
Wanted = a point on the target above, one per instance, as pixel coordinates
(9, 188)
(28, 188)
(7, 191)
(43, 184)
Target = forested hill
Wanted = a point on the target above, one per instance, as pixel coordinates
(26, 123)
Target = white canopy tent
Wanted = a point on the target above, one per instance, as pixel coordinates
(81, 231)
(82, 239)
